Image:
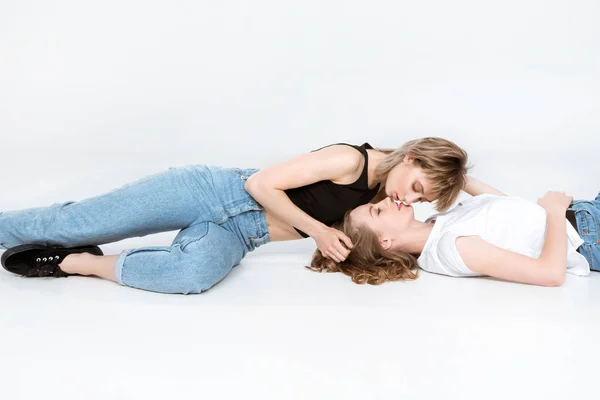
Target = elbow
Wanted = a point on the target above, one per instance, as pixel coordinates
(549, 273)
(556, 281)
(555, 277)
(254, 186)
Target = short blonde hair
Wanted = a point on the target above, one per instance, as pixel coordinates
(443, 162)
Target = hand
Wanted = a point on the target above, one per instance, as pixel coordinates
(555, 202)
(330, 242)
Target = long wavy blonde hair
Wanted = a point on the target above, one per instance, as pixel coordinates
(368, 262)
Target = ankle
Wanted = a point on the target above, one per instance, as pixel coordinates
(78, 263)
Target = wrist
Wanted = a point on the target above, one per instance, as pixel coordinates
(558, 211)
(315, 229)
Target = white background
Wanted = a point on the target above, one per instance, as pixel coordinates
(96, 94)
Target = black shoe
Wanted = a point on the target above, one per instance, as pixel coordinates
(40, 260)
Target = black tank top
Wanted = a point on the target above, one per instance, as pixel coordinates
(328, 202)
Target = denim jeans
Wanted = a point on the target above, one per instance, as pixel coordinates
(219, 224)
(587, 215)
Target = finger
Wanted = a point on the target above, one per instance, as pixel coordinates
(339, 256)
(334, 258)
(342, 236)
(324, 253)
(339, 252)
(342, 251)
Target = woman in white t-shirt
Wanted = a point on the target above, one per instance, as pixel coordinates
(489, 234)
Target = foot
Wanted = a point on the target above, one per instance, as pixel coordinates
(78, 264)
(34, 260)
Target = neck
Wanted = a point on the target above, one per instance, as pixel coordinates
(375, 157)
(415, 242)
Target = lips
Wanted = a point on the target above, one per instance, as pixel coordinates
(395, 196)
(398, 204)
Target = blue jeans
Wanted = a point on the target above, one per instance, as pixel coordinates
(219, 224)
(587, 215)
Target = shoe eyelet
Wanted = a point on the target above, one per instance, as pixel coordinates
(44, 259)
(38, 259)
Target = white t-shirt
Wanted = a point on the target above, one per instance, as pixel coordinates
(511, 223)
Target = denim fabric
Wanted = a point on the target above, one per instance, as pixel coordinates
(587, 215)
(219, 224)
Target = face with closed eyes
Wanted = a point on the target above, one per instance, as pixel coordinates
(387, 219)
(408, 183)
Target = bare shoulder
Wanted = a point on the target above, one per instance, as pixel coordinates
(471, 249)
(348, 158)
(339, 163)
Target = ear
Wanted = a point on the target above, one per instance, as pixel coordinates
(408, 159)
(385, 243)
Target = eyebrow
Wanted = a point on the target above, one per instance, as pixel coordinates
(371, 210)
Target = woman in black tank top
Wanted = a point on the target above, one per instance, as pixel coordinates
(223, 213)
(314, 191)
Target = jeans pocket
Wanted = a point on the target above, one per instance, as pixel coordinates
(588, 226)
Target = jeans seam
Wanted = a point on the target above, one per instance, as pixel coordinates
(183, 244)
(587, 249)
(584, 220)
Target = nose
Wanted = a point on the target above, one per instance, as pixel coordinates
(386, 202)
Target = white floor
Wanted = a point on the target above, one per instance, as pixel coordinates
(275, 330)
(94, 95)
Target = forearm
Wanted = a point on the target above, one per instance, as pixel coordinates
(277, 203)
(475, 187)
(554, 252)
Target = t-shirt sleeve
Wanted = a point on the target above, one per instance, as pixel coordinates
(451, 262)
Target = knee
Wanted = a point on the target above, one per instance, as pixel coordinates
(168, 270)
(196, 276)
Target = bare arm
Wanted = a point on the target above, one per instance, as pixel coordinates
(547, 270)
(475, 187)
(485, 258)
(336, 163)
